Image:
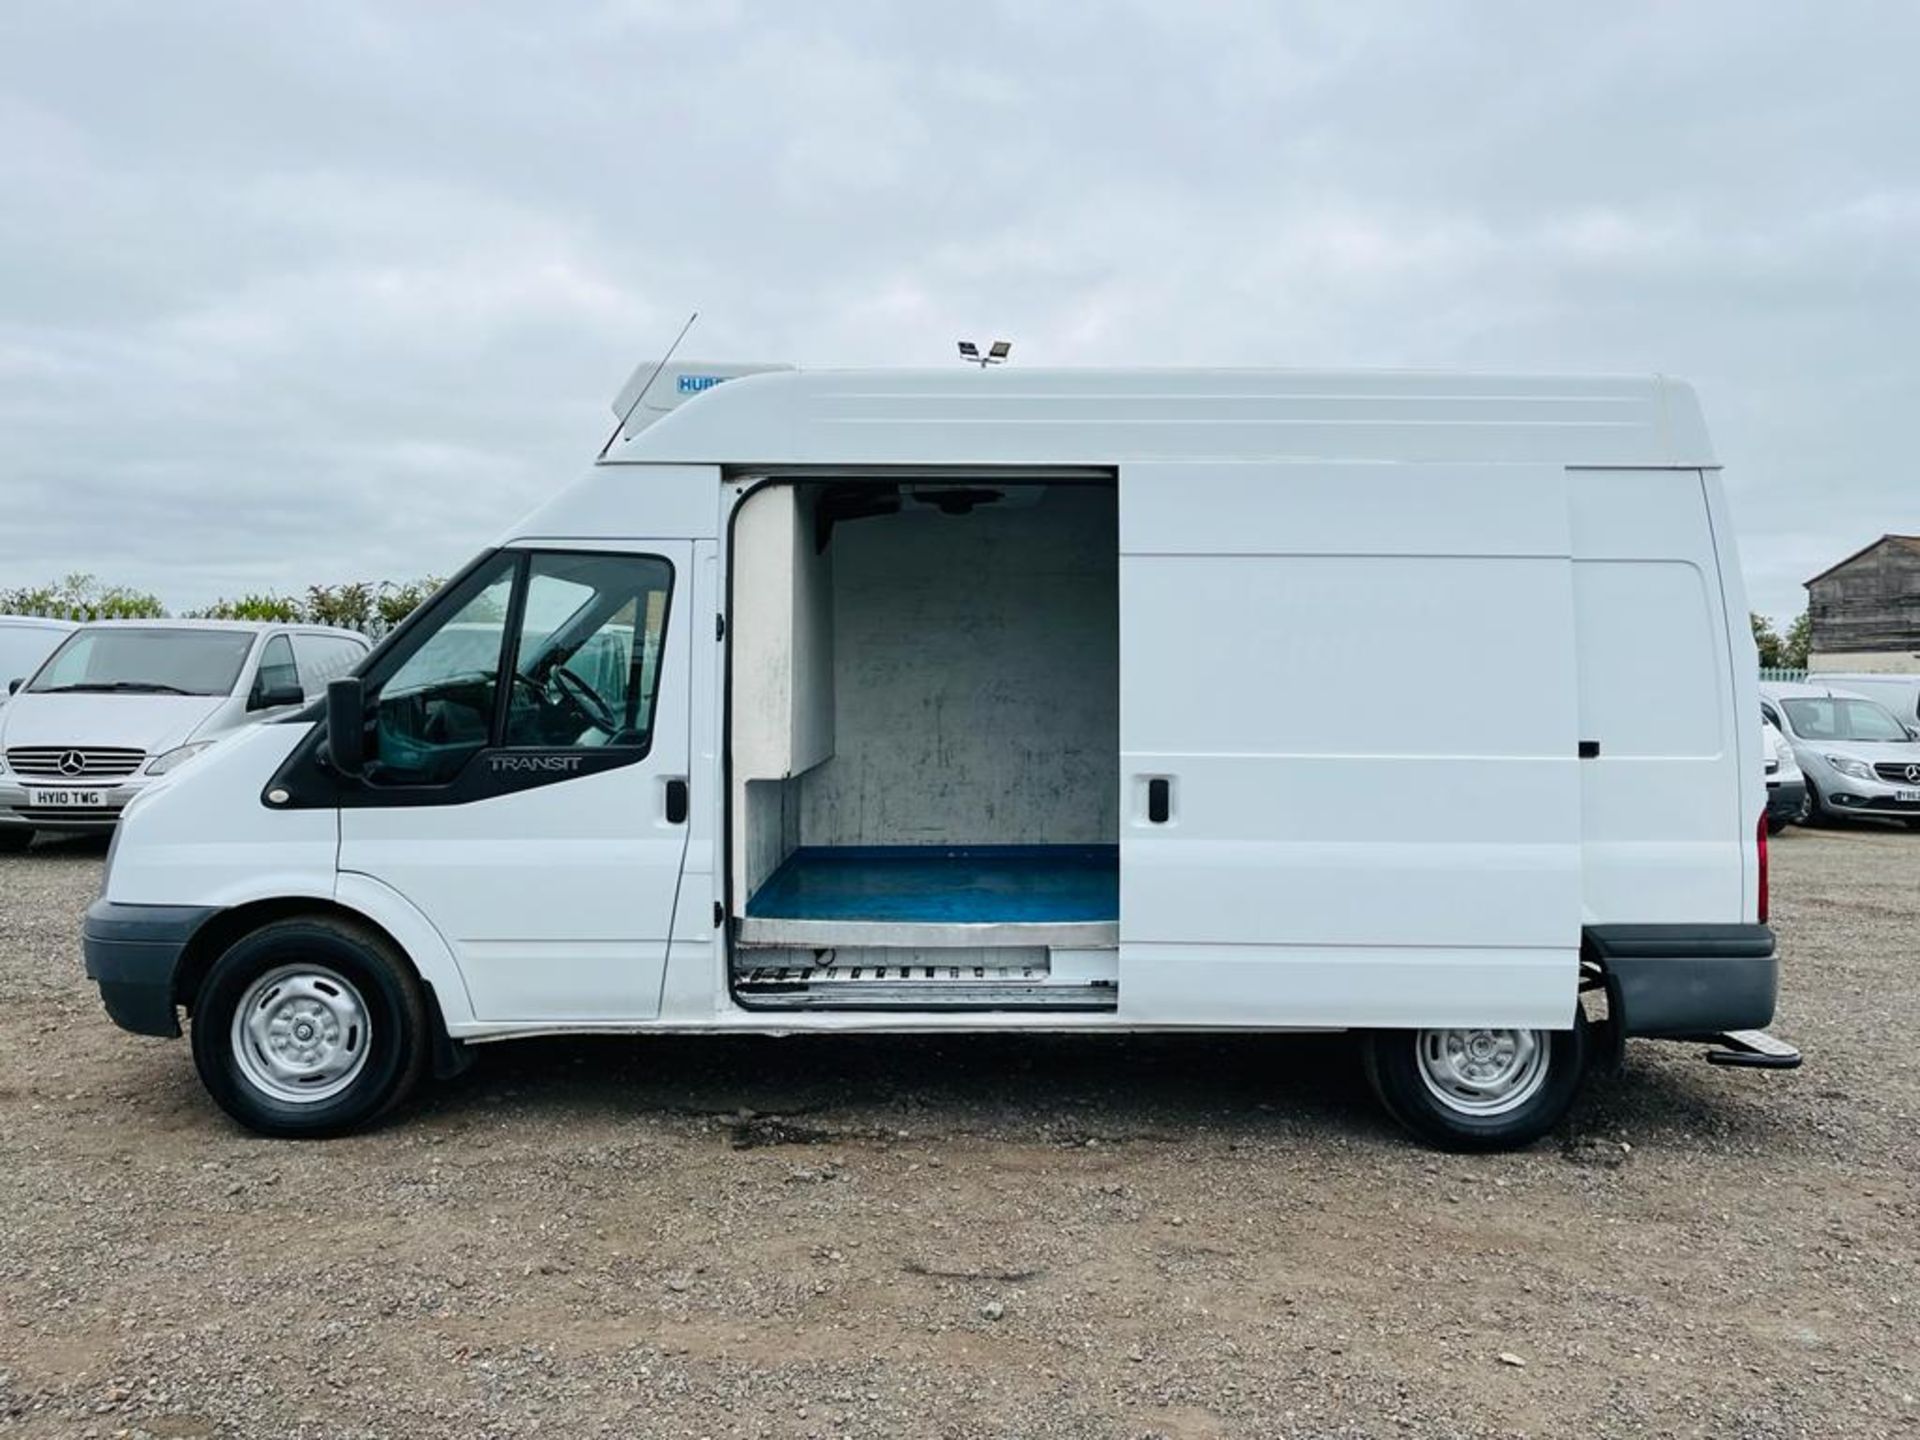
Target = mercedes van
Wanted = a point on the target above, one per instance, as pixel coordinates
(123, 702)
(26, 640)
(1068, 701)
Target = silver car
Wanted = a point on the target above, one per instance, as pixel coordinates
(1857, 756)
(122, 702)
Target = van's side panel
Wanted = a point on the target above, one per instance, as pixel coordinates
(1662, 803)
(1749, 775)
(1358, 682)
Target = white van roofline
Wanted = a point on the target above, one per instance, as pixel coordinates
(252, 627)
(1020, 416)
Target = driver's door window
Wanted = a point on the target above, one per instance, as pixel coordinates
(436, 711)
(588, 650)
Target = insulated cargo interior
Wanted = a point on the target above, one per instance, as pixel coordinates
(923, 715)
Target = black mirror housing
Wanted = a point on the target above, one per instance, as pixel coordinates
(347, 725)
(272, 697)
(13, 685)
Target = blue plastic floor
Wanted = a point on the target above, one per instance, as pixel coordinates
(967, 884)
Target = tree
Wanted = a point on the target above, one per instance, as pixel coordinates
(1767, 641)
(82, 597)
(396, 600)
(353, 605)
(348, 605)
(254, 607)
(1799, 642)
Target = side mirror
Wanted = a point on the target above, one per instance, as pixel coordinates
(1913, 731)
(13, 685)
(271, 697)
(347, 725)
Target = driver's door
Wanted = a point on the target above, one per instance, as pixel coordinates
(526, 782)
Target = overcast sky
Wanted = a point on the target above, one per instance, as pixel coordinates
(298, 293)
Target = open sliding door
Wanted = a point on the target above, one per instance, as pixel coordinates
(1351, 793)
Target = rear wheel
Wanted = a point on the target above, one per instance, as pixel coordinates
(308, 1027)
(1478, 1089)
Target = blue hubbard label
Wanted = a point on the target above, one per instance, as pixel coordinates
(694, 384)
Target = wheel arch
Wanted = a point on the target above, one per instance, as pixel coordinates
(227, 926)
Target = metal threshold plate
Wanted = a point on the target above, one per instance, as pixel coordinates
(917, 987)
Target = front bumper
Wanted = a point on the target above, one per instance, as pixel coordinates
(16, 810)
(133, 952)
(1675, 981)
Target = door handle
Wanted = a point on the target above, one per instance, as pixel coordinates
(1159, 800)
(677, 801)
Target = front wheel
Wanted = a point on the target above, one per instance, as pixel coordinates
(1478, 1089)
(308, 1027)
(14, 839)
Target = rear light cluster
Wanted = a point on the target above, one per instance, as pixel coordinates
(1760, 839)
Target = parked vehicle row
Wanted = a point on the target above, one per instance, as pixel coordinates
(1858, 757)
(118, 704)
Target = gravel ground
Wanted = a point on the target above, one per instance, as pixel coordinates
(1174, 1238)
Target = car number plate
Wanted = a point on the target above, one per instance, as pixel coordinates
(1907, 797)
(66, 799)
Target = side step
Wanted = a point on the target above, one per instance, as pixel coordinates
(1755, 1048)
(917, 987)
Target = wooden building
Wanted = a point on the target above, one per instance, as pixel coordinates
(1864, 612)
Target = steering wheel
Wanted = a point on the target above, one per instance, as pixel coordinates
(587, 700)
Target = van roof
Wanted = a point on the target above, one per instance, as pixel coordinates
(1811, 690)
(254, 627)
(1018, 416)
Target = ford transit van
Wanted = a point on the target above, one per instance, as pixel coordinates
(943, 702)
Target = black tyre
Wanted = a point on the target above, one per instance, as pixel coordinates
(1776, 823)
(309, 1027)
(14, 839)
(1815, 812)
(1478, 1089)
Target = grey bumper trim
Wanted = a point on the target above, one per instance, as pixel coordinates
(1681, 980)
(132, 952)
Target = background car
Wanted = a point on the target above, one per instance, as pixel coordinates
(25, 641)
(122, 702)
(1786, 785)
(1859, 760)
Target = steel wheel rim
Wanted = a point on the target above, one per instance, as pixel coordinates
(300, 1034)
(1483, 1072)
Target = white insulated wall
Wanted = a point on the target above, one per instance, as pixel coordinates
(975, 677)
(782, 690)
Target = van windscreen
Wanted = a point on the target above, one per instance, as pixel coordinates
(1833, 718)
(146, 660)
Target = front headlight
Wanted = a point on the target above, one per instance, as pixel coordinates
(176, 757)
(1858, 769)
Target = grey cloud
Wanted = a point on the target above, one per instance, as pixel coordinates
(300, 293)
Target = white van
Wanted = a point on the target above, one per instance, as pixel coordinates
(1899, 693)
(123, 702)
(1083, 701)
(26, 640)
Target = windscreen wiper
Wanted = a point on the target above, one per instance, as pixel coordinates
(143, 687)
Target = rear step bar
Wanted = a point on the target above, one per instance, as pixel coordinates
(917, 987)
(1754, 1048)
